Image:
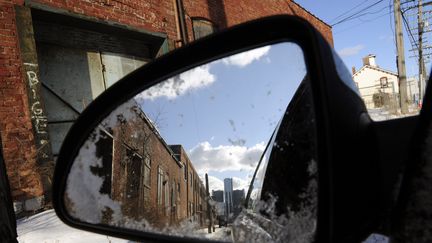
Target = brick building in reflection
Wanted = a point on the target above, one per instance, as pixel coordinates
(152, 180)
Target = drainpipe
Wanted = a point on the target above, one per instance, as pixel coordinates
(182, 22)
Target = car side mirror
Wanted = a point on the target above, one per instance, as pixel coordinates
(116, 173)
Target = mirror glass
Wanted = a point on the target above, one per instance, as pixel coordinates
(185, 156)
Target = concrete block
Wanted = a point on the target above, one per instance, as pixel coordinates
(34, 203)
(18, 207)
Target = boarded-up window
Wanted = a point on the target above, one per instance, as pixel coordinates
(133, 174)
(160, 186)
(146, 172)
(166, 188)
(201, 28)
(384, 82)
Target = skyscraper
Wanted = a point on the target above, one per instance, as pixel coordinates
(228, 197)
(238, 201)
(217, 195)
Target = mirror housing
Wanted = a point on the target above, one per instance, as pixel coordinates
(348, 197)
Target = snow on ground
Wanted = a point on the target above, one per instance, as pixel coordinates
(46, 227)
(220, 234)
(381, 114)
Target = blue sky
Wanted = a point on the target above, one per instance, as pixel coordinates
(370, 34)
(223, 113)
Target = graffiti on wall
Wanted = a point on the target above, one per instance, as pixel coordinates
(37, 113)
(39, 119)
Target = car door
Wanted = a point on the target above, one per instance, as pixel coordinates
(412, 221)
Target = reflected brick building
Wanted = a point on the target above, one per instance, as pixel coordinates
(152, 180)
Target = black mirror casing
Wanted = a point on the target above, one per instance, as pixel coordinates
(347, 200)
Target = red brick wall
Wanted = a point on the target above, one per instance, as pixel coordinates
(15, 125)
(138, 135)
(156, 16)
(192, 190)
(232, 12)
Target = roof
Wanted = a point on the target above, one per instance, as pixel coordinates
(375, 68)
(311, 13)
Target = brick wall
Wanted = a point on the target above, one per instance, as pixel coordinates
(139, 137)
(15, 125)
(156, 16)
(232, 12)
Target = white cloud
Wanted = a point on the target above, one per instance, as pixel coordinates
(239, 183)
(350, 51)
(195, 78)
(221, 158)
(214, 183)
(245, 58)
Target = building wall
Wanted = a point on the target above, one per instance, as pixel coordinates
(228, 197)
(238, 201)
(232, 12)
(194, 189)
(29, 167)
(133, 141)
(368, 82)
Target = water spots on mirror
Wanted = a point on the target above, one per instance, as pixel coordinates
(232, 124)
(237, 142)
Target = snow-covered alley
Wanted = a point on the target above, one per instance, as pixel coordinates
(46, 227)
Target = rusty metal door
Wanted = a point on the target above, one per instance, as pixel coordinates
(116, 66)
(72, 78)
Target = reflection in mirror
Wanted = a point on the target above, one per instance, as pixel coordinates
(180, 157)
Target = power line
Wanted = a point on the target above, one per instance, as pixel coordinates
(356, 6)
(409, 1)
(353, 16)
(363, 22)
(367, 13)
(391, 24)
(407, 27)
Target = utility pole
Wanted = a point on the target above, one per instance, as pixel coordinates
(209, 209)
(401, 58)
(422, 73)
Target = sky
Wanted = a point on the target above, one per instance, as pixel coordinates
(372, 33)
(223, 113)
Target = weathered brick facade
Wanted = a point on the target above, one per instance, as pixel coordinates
(152, 180)
(22, 145)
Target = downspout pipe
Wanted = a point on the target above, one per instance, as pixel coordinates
(182, 22)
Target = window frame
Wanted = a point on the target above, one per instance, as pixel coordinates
(146, 165)
(202, 21)
(160, 175)
(384, 83)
